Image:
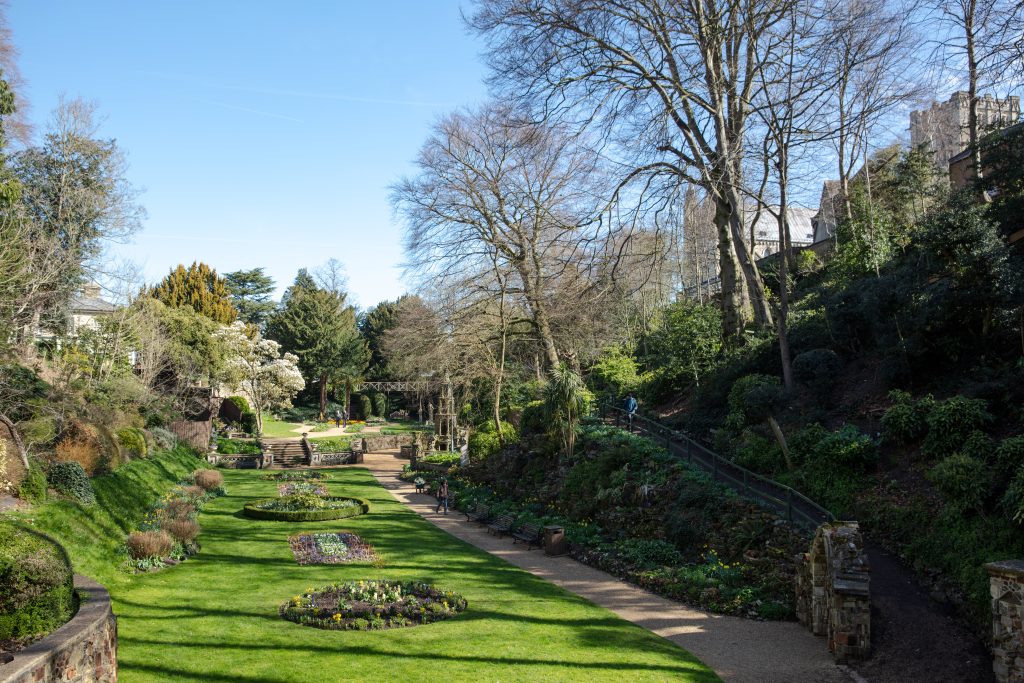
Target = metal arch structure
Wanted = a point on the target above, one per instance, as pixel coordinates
(395, 385)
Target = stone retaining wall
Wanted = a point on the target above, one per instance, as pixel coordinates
(380, 442)
(1006, 581)
(84, 650)
(832, 591)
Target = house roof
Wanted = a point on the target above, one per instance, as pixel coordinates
(801, 227)
(91, 304)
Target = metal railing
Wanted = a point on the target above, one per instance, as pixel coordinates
(794, 506)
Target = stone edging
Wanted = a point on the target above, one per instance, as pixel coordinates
(84, 649)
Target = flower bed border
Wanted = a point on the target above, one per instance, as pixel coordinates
(321, 515)
(337, 622)
(374, 557)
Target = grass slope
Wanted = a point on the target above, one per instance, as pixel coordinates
(94, 534)
(214, 618)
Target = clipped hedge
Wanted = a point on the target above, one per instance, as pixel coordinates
(239, 402)
(323, 514)
(36, 583)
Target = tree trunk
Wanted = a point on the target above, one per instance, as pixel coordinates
(733, 300)
(757, 300)
(787, 368)
(972, 88)
(322, 385)
(781, 439)
(18, 443)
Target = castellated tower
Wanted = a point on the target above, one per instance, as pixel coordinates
(944, 124)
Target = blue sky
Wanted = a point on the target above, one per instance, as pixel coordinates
(261, 133)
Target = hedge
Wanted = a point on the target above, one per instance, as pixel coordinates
(36, 583)
(250, 510)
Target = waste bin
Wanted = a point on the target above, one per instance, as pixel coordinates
(554, 541)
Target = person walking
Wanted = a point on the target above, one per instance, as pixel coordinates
(631, 406)
(442, 497)
(337, 417)
(344, 417)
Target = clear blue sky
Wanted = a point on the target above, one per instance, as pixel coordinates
(262, 133)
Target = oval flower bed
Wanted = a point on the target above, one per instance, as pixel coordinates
(301, 487)
(293, 476)
(372, 605)
(330, 548)
(306, 508)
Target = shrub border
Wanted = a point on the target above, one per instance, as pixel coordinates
(250, 510)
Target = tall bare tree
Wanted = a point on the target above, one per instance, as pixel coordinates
(497, 194)
(674, 79)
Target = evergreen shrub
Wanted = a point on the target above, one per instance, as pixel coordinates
(71, 480)
(36, 583)
(134, 440)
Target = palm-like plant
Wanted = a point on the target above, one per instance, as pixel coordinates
(566, 400)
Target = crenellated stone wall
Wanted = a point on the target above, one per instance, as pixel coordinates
(1006, 583)
(84, 650)
(832, 591)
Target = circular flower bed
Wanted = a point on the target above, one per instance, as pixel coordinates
(369, 605)
(306, 508)
(301, 487)
(330, 548)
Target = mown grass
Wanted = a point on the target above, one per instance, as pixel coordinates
(278, 428)
(214, 618)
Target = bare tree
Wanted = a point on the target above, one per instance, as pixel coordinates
(674, 78)
(497, 195)
(875, 70)
(973, 48)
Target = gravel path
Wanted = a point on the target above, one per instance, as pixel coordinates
(737, 649)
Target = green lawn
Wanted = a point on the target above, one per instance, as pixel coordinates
(276, 428)
(214, 618)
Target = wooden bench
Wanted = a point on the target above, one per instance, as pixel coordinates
(529, 534)
(502, 525)
(479, 514)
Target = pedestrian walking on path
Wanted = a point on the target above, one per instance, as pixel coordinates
(631, 406)
(442, 497)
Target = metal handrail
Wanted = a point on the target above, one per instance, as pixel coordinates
(798, 508)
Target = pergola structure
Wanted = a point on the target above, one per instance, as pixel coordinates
(446, 426)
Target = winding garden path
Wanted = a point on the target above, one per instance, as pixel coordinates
(737, 649)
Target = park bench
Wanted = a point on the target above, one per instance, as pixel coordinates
(502, 525)
(479, 514)
(528, 533)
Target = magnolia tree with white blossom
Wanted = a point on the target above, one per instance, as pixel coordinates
(257, 368)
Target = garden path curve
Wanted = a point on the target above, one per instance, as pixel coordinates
(739, 650)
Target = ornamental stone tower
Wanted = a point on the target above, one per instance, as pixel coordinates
(944, 125)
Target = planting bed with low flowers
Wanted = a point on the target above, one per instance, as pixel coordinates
(167, 533)
(330, 548)
(306, 507)
(372, 605)
(301, 488)
(293, 476)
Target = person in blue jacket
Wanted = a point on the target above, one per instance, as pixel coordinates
(631, 407)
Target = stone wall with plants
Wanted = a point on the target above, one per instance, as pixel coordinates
(84, 650)
(1007, 591)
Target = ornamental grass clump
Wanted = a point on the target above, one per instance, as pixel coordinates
(372, 605)
(208, 480)
(167, 532)
(143, 545)
(182, 530)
